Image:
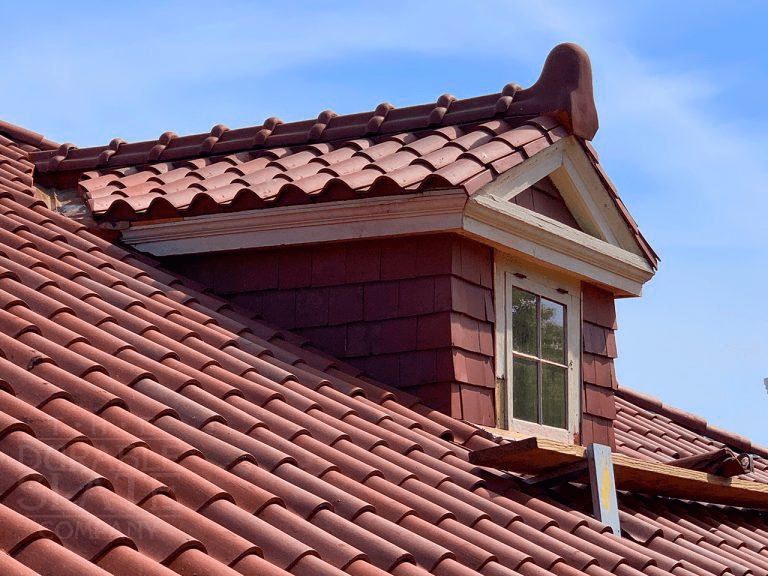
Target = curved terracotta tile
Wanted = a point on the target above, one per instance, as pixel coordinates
(279, 548)
(247, 493)
(78, 530)
(126, 561)
(127, 481)
(46, 557)
(153, 537)
(220, 543)
(62, 474)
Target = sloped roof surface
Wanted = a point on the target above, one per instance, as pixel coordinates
(466, 156)
(449, 143)
(147, 428)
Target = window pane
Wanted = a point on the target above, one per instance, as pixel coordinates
(525, 402)
(553, 396)
(525, 326)
(552, 331)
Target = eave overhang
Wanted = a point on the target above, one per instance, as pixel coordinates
(605, 253)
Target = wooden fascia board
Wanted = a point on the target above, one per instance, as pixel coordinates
(513, 228)
(439, 211)
(539, 455)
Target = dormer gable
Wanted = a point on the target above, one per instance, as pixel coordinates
(416, 244)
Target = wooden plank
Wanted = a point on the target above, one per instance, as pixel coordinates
(665, 480)
(529, 456)
(534, 456)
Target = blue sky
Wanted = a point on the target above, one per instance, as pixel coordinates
(680, 90)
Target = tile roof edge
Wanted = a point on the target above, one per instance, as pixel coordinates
(691, 421)
(562, 91)
(24, 136)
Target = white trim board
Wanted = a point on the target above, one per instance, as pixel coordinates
(513, 229)
(306, 224)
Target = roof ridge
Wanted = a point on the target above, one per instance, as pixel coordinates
(691, 421)
(563, 91)
(26, 136)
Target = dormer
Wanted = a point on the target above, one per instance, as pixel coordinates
(467, 252)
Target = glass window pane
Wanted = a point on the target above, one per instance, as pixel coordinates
(553, 396)
(525, 393)
(525, 326)
(552, 331)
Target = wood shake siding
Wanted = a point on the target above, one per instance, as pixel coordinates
(598, 373)
(416, 313)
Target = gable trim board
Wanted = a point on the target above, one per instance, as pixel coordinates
(610, 258)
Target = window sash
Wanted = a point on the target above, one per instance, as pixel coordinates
(554, 390)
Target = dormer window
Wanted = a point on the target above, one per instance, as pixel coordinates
(537, 351)
(539, 356)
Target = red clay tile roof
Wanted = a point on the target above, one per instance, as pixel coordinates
(146, 427)
(449, 156)
(448, 144)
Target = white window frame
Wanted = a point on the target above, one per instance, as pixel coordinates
(554, 286)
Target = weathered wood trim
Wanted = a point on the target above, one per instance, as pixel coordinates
(307, 224)
(511, 228)
(537, 455)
